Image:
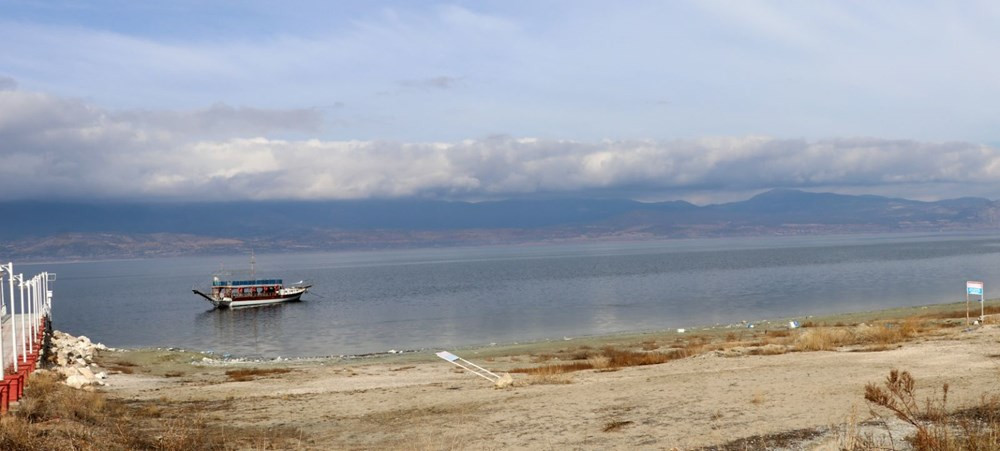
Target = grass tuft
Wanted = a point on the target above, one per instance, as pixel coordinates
(937, 427)
(616, 425)
(609, 358)
(249, 374)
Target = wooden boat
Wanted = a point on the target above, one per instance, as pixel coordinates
(251, 292)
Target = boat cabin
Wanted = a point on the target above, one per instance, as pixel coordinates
(243, 289)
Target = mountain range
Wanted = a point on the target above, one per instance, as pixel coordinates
(68, 230)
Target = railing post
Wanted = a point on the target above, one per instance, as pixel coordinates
(13, 325)
(24, 336)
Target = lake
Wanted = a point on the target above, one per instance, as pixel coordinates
(374, 301)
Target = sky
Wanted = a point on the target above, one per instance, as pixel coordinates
(706, 101)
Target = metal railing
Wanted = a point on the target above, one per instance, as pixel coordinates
(24, 315)
(245, 283)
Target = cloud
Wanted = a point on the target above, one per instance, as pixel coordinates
(62, 147)
(582, 70)
(7, 83)
(224, 120)
(441, 82)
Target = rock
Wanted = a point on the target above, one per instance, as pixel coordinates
(68, 371)
(73, 357)
(85, 372)
(505, 381)
(77, 381)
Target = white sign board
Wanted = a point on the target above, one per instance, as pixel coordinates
(974, 287)
(447, 356)
(472, 367)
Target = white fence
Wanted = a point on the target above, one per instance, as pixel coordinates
(25, 307)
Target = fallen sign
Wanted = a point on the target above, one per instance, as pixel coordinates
(499, 381)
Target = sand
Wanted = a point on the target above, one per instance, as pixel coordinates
(796, 400)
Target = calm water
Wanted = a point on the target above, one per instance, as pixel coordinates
(380, 300)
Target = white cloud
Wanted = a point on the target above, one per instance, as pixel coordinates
(61, 147)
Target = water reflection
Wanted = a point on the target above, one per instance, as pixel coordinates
(255, 331)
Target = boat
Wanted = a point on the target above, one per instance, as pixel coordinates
(251, 292)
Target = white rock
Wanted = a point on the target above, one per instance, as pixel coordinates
(77, 381)
(101, 375)
(85, 372)
(68, 371)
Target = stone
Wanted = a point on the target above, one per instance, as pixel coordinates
(67, 371)
(77, 381)
(505, 381)
(85, 372)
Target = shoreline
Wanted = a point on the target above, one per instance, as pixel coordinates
(612, 339)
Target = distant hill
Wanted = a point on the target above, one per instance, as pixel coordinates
(39, 229)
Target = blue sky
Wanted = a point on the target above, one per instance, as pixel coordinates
(588, 81)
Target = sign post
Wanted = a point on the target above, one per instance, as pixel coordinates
(974, 287)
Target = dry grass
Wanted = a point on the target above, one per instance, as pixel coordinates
(249, 374)
(823, 339)
(549, 379)
(599, 362)
(615, 425)
(549, 370)
(53, 416)
(18, 434)
(769, 349)
(880, 336)
(974, 313)
(608, 358)
(937, 427)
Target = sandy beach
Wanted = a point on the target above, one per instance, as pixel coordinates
(739, 388)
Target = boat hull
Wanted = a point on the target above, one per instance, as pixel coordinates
(285, 295)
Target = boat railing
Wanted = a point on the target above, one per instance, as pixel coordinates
(245, 283)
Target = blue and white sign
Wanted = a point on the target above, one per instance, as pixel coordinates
(973, 287)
